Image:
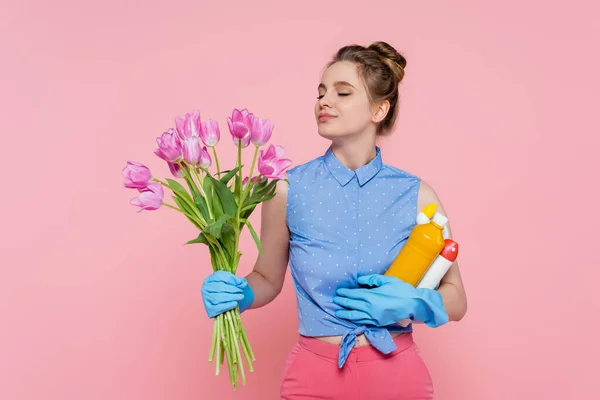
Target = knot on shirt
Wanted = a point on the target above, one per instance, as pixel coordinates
(379, 338)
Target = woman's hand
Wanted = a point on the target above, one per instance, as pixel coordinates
(388, 300)
(223, 291)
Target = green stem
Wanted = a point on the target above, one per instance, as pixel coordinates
(219, 349)
(247, 189)
(248, 348)
(237, 355)
(173, 207)
(214, 341)
(217, 162)
(161, 182)
(239, 164)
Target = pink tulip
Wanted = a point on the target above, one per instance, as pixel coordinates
(205, 160)
(256, 179)
(176, 170)
(150, 198)
(190, 126)
(209, 133)
(271, 164)
(240, 124)
(192, 150)
(136, 175)
(169, 146)
(261, 131)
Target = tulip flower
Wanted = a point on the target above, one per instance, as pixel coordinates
(150, 198)
(271, 163)
(261, 131)
(192, 150)
(240, 124)
(136, 175)
(190, 126)
(205, 160)
(169, 147)
(209, 133)
(176, 170)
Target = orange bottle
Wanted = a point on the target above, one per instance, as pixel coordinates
(422, 247)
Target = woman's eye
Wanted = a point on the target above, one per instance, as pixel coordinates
(339, 94)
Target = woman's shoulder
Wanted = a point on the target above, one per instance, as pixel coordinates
(302, 169)
(399, 172)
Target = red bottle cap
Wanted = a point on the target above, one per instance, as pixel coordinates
(450, 250)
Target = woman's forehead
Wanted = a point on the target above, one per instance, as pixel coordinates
(342, 73)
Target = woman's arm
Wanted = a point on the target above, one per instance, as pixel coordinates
(267, 277)
(451, 287)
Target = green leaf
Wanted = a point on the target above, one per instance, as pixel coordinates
(270, 186)
(228, 203)
(200, 239)
(228, 242)
(183, 205)
(193, 188)
(254, 236)
(178, 189)
(215, 228)
(246, 213)
(226, 228)
(217, 208)
(259, 186)
(230, 173)
(257, 195)
(203, 207)
(207, 187)
(268, 197)
(189, 213)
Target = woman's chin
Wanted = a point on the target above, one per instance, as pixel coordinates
(327, 132)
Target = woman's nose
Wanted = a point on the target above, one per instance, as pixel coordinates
(324, 101)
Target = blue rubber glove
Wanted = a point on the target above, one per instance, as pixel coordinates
(223, 291)
(389, 300)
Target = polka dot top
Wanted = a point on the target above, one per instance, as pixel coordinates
(345, 223)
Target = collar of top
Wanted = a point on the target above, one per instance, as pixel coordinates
(343, 174)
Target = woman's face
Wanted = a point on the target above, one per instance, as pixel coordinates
(343, 107)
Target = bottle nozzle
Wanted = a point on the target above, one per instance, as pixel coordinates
(429, 210)
(440, 219)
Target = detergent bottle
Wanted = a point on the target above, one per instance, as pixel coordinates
(440, 266)
(423, 245)
(427, 213)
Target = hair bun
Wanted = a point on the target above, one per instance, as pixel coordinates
(391, 57)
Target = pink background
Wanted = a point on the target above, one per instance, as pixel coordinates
(499, 114)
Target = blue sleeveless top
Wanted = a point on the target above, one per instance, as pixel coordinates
(344, 224)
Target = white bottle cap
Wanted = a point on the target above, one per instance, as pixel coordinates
(422, 218)
(440, 219)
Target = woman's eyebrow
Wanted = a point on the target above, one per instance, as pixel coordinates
(337, 83)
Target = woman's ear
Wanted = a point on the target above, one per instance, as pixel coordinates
(380, 110)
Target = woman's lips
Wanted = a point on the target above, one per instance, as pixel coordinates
(325, 118)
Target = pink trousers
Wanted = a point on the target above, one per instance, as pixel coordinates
(311, 372)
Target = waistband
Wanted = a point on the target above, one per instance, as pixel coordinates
(357, 354)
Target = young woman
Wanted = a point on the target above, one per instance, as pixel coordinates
(340, 223)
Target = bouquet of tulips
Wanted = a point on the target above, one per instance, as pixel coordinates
(218, 204)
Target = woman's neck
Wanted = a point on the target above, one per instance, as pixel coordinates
(355, 152)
